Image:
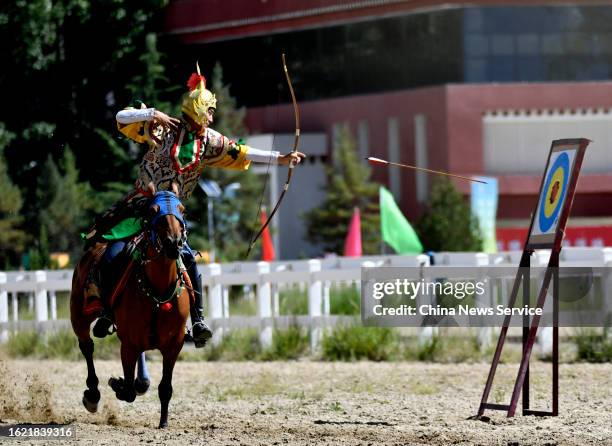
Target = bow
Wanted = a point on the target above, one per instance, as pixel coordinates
(296, 141)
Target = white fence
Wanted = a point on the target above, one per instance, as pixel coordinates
(315, 276)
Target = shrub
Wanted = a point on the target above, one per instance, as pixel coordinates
(23, 343)
(593, 347)
(349, 343)
(287, 344)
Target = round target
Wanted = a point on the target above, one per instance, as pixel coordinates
(553, 193)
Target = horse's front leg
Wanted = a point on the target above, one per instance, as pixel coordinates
(143, 381)
(91, 396)
(164, 390)
(124, 387)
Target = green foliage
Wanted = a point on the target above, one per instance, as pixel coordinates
(23, 344)
(66, 85)
(293, 302)
(448, 223)
(61, 344)
(291, 343)
(344, 300)
(427, 352)
(593, 347)
(12, 237)
(39, 255)
(348, 187)
(350, 343)
(63, 201)
(237, 345)
(151, 85)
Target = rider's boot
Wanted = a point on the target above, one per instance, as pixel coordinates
(200, 332)
(94, 305)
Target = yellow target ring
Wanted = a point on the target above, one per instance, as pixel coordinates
(554, 192)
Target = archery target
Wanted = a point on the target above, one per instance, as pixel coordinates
(554, 192)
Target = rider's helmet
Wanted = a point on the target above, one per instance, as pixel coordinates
(198, 99)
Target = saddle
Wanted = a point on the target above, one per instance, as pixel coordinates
(103, 281)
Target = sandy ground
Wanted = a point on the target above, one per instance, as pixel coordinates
(309, 402)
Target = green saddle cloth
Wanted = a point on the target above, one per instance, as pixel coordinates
(124, 229)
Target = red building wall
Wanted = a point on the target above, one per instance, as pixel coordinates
(454, 134)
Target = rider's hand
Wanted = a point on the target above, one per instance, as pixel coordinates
(166, 121)
(291, 157)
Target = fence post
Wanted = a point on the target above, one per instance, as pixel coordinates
(40, 299)
(264, 306)
(215, 301)
(225, 302)
(3, 308)
(15, 303)
(315, 302)
(53, 304)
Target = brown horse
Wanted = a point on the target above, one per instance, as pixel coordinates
(150, 307)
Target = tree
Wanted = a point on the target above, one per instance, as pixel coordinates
(448, 223)
(12, 237)
(72, 62)
(63, 202)
(348, 187)
(235, 213)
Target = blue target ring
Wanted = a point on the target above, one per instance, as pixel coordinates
(562, 162)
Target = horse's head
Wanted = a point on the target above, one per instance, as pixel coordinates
(167, 223)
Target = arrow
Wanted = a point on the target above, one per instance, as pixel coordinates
(373, 160)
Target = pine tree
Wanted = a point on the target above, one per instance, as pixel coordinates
(64, 202)
(448, 223)
(12, 238)
(348, 187)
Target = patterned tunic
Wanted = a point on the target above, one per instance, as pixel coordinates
(181, 157)
(178, 157)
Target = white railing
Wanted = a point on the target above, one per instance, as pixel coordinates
(267, 280)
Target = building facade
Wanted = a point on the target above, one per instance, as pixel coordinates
(476, 90)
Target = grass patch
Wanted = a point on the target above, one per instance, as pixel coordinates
(444, 349)
(287, 344)
(593, 347)
(344, 300)
(293, 302)
(22, 344)
(351, 342)
(61, 344)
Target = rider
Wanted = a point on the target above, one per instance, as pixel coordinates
(179, 150)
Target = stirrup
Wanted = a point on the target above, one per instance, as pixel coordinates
(200, 333)
(103, 327)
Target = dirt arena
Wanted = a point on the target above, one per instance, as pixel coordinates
(309, 402)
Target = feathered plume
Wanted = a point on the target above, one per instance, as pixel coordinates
(195, 79)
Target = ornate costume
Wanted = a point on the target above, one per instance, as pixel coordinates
(174, 157)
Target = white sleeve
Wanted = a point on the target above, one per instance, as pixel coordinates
(130, 116)
(262, 156)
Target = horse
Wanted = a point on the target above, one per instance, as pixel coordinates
(150, 305)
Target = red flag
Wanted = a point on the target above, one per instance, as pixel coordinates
(267, 247)
(352, 243)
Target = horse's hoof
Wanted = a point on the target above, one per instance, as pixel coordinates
(127, 396)
(163, 424)
(116, 384)
(90, 400)
(141, 386)
(91, 407)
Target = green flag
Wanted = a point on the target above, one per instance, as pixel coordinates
(395, 229)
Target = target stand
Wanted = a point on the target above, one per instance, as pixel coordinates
(545, 232)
